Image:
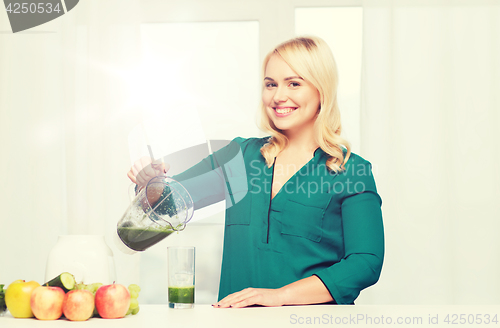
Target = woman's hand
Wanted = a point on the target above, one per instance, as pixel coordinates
(310, 290)
(143, 171)
(253, 296)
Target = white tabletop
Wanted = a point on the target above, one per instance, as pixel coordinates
(287, 316)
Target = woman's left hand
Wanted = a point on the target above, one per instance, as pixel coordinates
(252, 296)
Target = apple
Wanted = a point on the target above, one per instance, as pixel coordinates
(46, 302)
(112, 301)
(78, 305)
(17, 298)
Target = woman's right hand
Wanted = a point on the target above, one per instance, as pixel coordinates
(143, 171)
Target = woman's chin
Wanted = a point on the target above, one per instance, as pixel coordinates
(283, 127)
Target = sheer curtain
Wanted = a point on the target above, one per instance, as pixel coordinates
(64, 122)
(429, 124)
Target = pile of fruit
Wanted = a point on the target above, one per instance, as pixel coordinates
(63, 296)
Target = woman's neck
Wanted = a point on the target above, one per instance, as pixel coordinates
(301, 140)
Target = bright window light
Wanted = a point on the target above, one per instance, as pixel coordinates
(204, 69)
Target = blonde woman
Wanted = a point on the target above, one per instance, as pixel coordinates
(309, 227)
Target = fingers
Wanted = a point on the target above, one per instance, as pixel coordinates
(239, 299)
(144, 170)
(142, 179)
(134, 170)
(252, 296)
(140, 164)
(145, 175)
(131, 176)
(245, 302)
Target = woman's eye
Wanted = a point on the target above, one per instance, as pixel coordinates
(270, 85)
(294, 84)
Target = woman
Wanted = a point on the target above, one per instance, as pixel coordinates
(309, 229)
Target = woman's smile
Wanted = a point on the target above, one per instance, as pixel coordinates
(282, 111)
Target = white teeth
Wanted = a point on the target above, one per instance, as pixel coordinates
(283, 110)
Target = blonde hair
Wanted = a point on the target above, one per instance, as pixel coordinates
(312, 59)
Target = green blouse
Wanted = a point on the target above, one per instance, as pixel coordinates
(320, 223)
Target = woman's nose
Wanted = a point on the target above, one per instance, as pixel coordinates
(280, 95)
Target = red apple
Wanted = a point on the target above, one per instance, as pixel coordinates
(46, 302)
(78, 305)
(112, 301)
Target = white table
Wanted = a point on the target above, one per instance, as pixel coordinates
(205, 316)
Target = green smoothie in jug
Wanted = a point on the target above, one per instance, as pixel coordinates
(140, 239)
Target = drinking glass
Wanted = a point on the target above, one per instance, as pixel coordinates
(181, 277)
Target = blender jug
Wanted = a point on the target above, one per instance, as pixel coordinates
(148, 221)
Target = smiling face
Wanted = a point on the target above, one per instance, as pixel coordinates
(291, 102)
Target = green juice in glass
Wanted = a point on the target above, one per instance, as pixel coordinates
(181, 294)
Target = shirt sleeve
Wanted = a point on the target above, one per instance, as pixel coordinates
(215, 177)
(363, 237)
